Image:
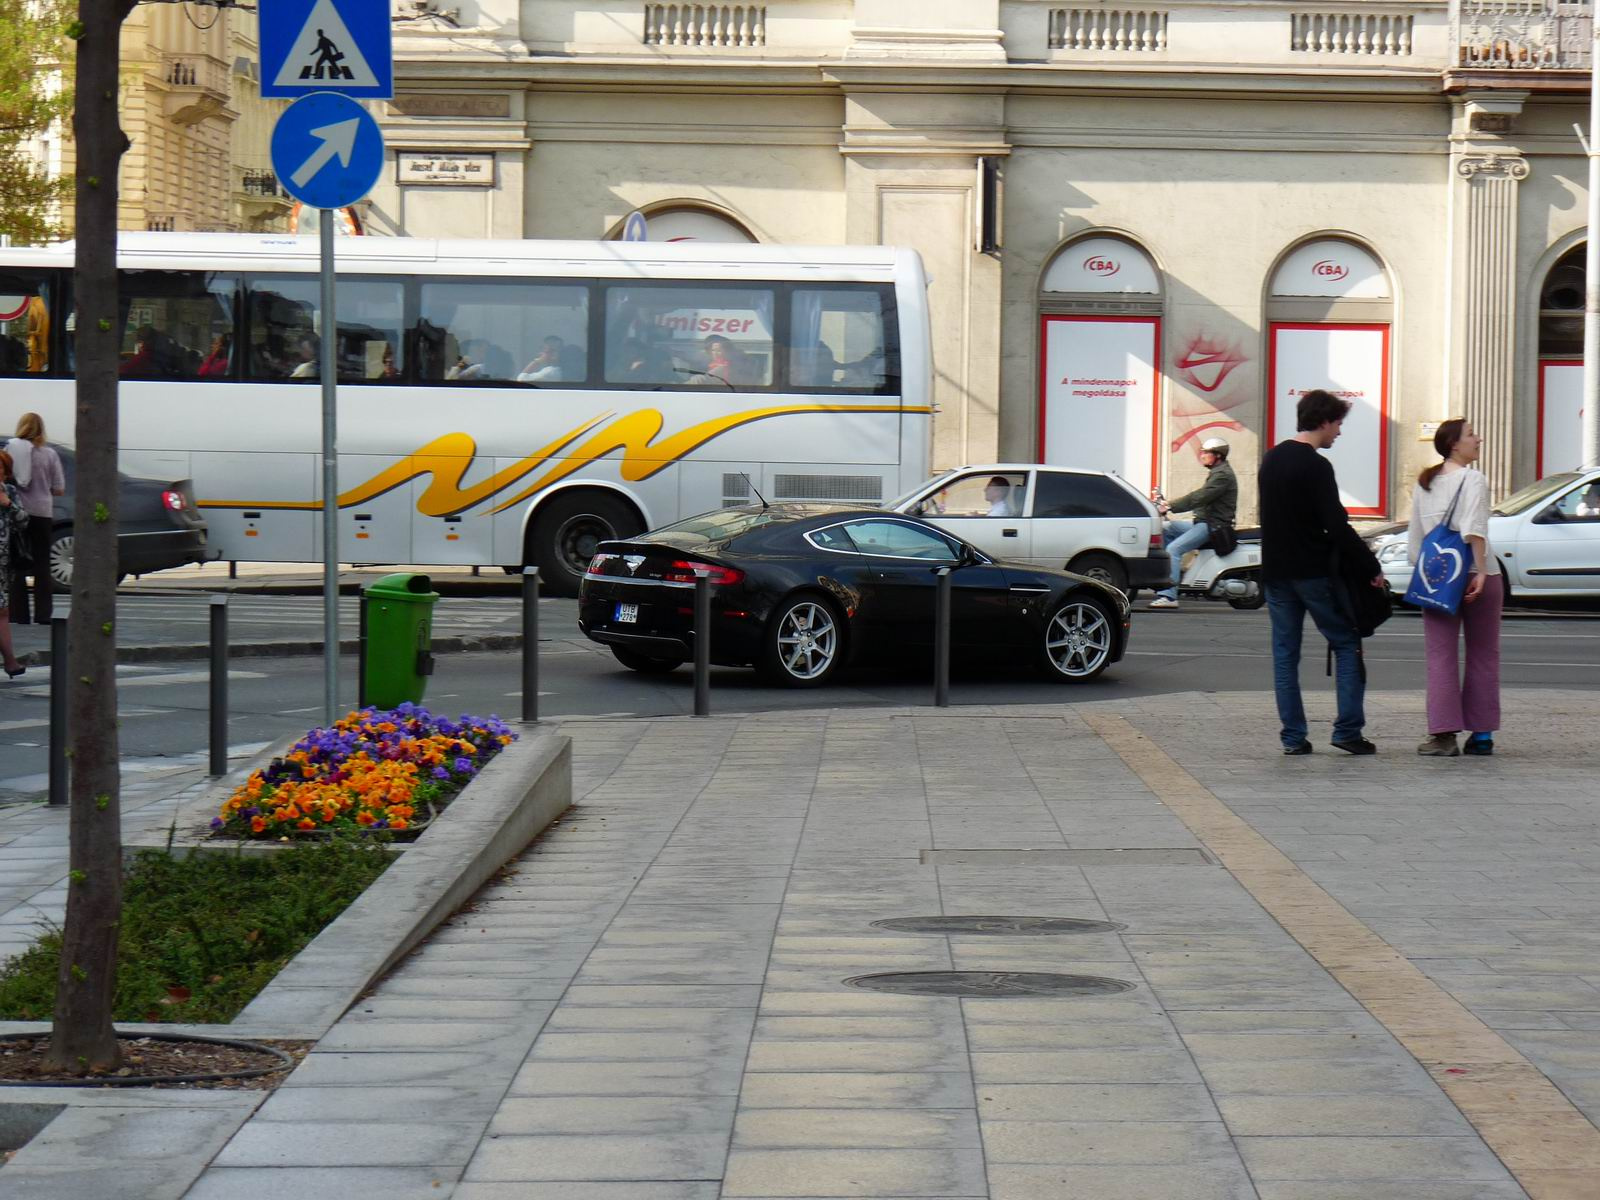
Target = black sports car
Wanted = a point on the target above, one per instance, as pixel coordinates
(799, 590)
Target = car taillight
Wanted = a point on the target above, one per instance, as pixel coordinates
(597, 563)
(174, 501)
(685, 572)
(1155, 540)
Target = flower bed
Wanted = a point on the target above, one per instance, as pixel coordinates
(384, 770)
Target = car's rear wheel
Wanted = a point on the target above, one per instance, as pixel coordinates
(61, 545)
(645, 664)
(1102, 568)
(804, 642)
(1077, 641)
(566, 531)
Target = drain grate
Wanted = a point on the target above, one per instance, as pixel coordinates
(1152, 857)
(989, 984)
(999, 926)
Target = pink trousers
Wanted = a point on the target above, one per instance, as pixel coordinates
(1470, 702)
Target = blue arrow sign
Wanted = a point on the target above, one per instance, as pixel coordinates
(327, 151)
(635, 228)
(326, 46)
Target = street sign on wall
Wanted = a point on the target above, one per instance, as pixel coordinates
(327, 150)
(326, 46)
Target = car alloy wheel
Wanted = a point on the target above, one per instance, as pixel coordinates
(805, 642)
(61, 562)
(1077, 640)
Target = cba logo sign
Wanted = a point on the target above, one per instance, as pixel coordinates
(1104, 267)
(1328, 269)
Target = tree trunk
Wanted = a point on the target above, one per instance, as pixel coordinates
(82, 1038)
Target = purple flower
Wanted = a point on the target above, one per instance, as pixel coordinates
(216, 822)
(440, 773)
(464, 765)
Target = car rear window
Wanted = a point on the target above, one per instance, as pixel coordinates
(715, 526)
(1063, 494)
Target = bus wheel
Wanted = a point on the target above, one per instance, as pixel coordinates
(566, 530)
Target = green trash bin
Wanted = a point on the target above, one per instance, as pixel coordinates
(397, 639)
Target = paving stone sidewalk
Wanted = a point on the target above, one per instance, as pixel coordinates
(650, 1005)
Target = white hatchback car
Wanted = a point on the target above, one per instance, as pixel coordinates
(1547, 538)
(1090, 522)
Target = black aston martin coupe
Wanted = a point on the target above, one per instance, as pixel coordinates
(800, 590)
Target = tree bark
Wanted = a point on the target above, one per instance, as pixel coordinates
(83, 1038)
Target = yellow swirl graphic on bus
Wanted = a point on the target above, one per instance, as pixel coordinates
(447, 458)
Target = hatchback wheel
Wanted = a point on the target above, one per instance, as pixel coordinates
(1077, 640)
(1102, 568)
(61, 560)
(803, 643)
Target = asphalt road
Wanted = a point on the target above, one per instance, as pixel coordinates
(1201, 647)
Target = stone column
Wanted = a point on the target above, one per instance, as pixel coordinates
(1484, 360)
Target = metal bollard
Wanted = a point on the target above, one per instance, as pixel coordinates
(941, 641)
(219, 685)
(233, 569)
(361, 648)
(530, 644)
(702, 644)
(59, 763)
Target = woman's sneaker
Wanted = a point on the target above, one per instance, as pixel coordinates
(1480, 745)
(1440, 745)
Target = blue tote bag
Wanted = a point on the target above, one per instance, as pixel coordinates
(1444, 567)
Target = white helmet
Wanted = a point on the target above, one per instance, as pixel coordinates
(1215, 445)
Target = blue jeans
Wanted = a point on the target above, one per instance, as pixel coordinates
(1288, 602)
(1182, 537)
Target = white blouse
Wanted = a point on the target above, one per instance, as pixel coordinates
(1471, 518)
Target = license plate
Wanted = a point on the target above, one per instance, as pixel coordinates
(627, 614)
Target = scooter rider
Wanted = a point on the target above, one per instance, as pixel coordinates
(1215, 502)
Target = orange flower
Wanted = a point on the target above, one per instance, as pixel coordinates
(305, 823)
(362, 818)
(257, 824)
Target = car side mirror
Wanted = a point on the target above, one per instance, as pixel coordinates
(1552, 515)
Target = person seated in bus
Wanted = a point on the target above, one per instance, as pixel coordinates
(866, 371)
(469, 363)
(217, 361)
(386, 368)
(546, 365)
(726, 364)
(815, 367)
(308, 364)
(639, 362)
(154, 355)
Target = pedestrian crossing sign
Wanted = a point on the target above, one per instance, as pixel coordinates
(326, 46)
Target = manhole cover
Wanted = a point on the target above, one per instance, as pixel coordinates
(989, 983)
(999, 926)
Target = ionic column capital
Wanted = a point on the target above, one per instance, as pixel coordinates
(1503, 166)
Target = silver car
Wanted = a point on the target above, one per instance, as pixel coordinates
(1546, 537)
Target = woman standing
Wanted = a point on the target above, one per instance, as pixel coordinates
(44, 482)
(1455, 702)
(13, 520)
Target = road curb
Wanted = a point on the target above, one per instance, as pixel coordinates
(189, 651)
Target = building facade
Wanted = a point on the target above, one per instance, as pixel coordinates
(1144, 226)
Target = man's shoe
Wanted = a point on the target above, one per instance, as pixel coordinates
(1480, 745)
(1439, 745)
(1162, 602)
(1302, 748)
(1357, 746)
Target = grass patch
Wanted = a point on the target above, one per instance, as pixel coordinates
(201, 935)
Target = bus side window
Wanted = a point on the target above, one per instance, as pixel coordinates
(700, 336)
(839, 338)
(177, 324)
(25, 307)
(497, 332)
(286, 329)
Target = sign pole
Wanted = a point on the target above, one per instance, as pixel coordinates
(1591, 264)
(330, 476)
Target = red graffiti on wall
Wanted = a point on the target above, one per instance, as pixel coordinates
(1205, 362)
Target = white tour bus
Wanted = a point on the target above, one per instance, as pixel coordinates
(500, 403)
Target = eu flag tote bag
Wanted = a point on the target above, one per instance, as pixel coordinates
(1443, 567)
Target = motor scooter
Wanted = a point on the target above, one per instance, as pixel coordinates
(1234, 577)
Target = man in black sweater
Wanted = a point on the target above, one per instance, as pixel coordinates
(1304, 535)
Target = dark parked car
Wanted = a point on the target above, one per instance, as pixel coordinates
(799, 590)
(159, 525)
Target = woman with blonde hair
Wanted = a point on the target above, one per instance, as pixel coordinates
(1456, 702)
(44, 481)
(13, 520)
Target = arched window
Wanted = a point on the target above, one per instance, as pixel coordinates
(1100, 308)
(1330, 307)
(1561, 364)
(687, 223)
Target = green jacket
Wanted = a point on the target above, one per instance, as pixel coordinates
(1215, 501)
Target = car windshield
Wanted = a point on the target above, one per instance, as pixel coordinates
(904, 497)
(1534, 493)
